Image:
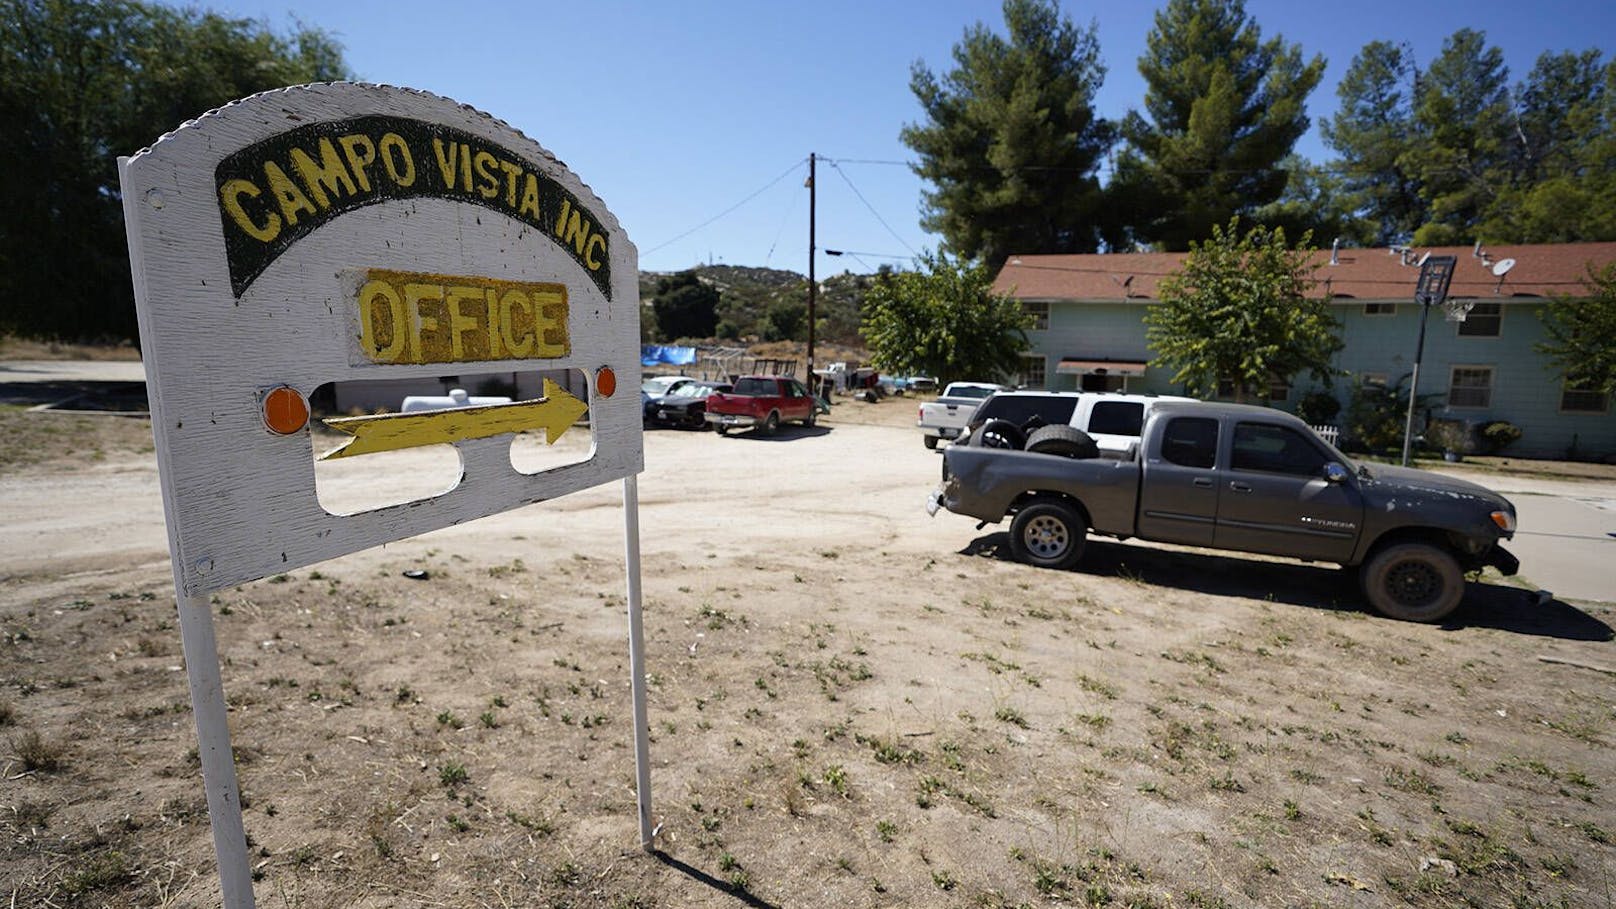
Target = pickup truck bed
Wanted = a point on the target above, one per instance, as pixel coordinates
(946, 417)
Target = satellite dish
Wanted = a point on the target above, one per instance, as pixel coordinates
(1421, 263)
(1502, 267)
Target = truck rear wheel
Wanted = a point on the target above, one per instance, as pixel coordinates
(931, 442)
(772, 423)
(1063, 440)
(1048, 534)
(1414, 582)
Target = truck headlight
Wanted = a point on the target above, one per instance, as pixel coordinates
(1505, 520)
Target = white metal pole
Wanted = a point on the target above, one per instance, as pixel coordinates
(213, 747)
(636, 657)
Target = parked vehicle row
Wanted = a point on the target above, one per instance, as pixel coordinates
(752, 402)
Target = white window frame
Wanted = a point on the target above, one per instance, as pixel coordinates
(1039, 310)
(1567, 389)
(1373, 378)
(1379, 309)
(1453, 385)
(1030, 363)
(1459, 329)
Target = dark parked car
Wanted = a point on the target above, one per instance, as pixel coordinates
(685, 405)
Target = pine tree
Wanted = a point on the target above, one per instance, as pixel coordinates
(1462, 119)
(1224, 109)
(1371, 131)
(1011, 144)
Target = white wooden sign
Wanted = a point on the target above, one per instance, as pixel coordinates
(340, 232)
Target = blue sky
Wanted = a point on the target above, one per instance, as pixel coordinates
(677, 113)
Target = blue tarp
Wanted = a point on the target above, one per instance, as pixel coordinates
(652, 354)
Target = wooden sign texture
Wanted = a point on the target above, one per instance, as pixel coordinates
(259, 233)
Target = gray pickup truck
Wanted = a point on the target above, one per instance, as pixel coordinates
(1251, 479)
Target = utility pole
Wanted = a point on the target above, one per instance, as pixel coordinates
(813, 285)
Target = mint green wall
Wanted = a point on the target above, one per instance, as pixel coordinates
(1525, 390)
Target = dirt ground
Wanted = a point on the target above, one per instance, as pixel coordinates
(851, 704)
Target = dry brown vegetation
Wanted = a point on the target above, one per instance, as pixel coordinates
(850, 705)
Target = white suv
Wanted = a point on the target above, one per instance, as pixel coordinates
(1016, 419)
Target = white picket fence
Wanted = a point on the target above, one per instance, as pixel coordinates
(1327, 433)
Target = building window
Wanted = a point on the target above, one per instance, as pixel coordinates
(1470, 386)
(1577, 398)
(1279, 390)
(1032, 371)
(1039, 310)
(1485, 320)
(1380, 309)
(1372, 378)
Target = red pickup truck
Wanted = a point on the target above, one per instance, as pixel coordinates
(761, 401)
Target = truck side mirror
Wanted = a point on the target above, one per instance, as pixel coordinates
(1334, 474)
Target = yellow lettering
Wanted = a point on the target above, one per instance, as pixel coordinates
(491, 298)
(446, 163)
(369, 334)
(530, 198)
(422, 324)
(230, 197)
(465, 167)
(550, 323)
(329, 174)
(507, 303)
(487, 181)
(589, 254)
(291, 198)
(577, 232)
(459, 322)
(361, 153)
(561, 220)
(512, 172)
(396, 158)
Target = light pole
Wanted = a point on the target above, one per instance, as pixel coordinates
(1436, 272)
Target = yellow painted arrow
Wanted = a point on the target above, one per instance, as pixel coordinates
(553, 413)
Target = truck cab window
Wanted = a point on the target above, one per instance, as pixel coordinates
(1191, 442)
(1275, 449)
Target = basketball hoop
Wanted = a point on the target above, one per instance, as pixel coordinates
(1456, 310)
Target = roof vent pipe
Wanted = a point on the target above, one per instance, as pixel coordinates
(1335, 249)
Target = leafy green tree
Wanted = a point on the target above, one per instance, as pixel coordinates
(1462, 120)
(944, 321)
(1581, 332)
(685, 306)
(1239, 310)
(82, 82)
(1371, 131)
(1011, 143)
(784, 321)
(1225, 107)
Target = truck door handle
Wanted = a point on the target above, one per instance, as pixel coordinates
(1203, 482)
(1238, 486)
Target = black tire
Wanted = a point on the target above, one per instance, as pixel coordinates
(999, 434)
(1413, 582)
(812, 418)
(1048, 535)
(1065, 441)
(771, 424)
(931, 442)
(698, 419)
(722, 429)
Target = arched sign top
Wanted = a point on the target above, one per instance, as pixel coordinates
(344, 231)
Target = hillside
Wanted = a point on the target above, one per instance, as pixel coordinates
(747, 294)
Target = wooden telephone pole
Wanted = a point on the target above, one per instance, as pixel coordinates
(813, 285)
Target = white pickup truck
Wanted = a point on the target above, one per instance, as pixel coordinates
(945, 418)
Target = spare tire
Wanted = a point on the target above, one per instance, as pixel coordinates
(998, 434)
(1062, 440)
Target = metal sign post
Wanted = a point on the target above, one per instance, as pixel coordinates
(1436, 272)
(344, 232)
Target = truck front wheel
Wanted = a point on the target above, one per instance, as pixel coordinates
(1414, 582)
(772, 423)
(1048, 534)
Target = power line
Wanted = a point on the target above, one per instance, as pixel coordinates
(855, 189)
(726, 211)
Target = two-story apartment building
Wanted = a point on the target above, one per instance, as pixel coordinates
(1089, 333)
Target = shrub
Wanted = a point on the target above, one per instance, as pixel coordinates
(1500, 434)
(1318, 407)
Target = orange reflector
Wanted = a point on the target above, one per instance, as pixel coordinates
(606, 381)
(285, 410)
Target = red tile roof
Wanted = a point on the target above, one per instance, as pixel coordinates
(1362, 274)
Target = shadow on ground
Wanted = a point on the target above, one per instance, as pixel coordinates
(702, 877)
(1315, 586)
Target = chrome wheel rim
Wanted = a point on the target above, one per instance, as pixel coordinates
(1046, 537)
